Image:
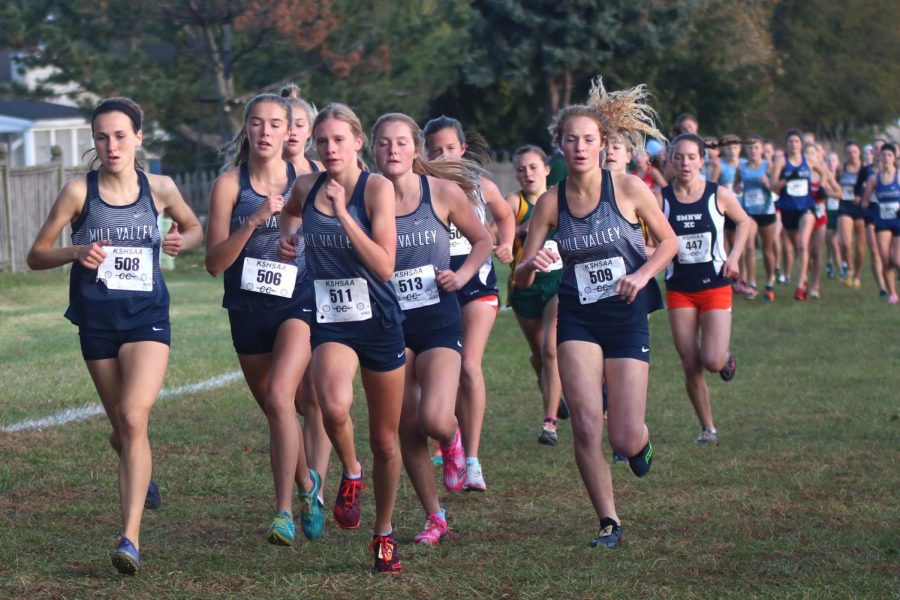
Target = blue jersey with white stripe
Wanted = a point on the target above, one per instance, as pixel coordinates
(330, 256)
(262, 245)
(699, 227)
(887, 195)
(796, 195)
(91, 303)
(423, 240)
(602, 236)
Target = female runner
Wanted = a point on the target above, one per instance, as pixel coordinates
(756, 200)
(536, 307)
(298, 144)
(117, 296)
(268, 301)
(607, 290)
(698, 290)
(480, 299)
(884, 189)
(870, 168)
(851, 226)
(351, 242)
(796, 203)
(821, 186)
(429, 200)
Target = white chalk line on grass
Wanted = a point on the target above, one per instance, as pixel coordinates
(70, 415)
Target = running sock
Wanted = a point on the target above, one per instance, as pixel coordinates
(550, 418)
(388, 534)
(640, 462)
(442, 514)
(472, 461)
(353, 477)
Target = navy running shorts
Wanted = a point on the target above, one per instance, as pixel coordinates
(100, 344)
(851, 209)
(790, 219)
(616, 340)
(449, 336)
(255, 332)
(763, 220)
(382, 350)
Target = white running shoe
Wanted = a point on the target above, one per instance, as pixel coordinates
(474, 478)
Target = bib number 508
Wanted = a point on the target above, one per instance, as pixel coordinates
(127, 263)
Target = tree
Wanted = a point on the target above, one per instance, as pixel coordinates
(554, 45)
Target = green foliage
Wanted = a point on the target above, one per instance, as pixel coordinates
(838, 67)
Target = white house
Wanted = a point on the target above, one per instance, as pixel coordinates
(30, 127)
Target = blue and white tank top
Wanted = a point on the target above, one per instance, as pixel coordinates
(847, 181)
(888, 197)
(257, 281)
(701, 241)
(128, 290)
(346, 292)
(423, 250)
(796, 195)
(460, 248)
(756, 198)
(597, 250)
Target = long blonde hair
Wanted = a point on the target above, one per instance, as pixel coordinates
(342, 112)
(464, 173)
(240, 144)
(624, 112)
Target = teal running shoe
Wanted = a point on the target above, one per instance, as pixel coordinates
(282, 530)
(312, 520)
(126, 557)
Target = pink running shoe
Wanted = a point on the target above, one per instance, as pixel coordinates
(892, 299)
(454, 463)
(435, 530)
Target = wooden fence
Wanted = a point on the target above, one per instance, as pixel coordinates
(26, 195)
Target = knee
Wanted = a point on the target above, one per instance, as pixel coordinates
(713, 364)
(436, 425)
(548, 353)
(627, 441)
(384, 447)
(132, 423)
(471, 372)
(586, 432)
(335, 413)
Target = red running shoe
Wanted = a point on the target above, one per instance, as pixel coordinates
(387, 560)
(800, 294)
(346, 505)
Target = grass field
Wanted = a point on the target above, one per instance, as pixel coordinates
(801, 499)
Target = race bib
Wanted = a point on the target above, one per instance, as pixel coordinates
(848, 194)
(416, 288)
(342, 300)
(695, 248)
(833, 203)
(754, 198)
(888, 210)
(459, 244)
(820, 210)
(597, 279)
(268, 277)
(551, 245)
(127, 268)
(798, 188)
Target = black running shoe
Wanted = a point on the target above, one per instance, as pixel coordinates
(610, 536)
(728, 371)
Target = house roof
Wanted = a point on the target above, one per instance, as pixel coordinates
(35, 110)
